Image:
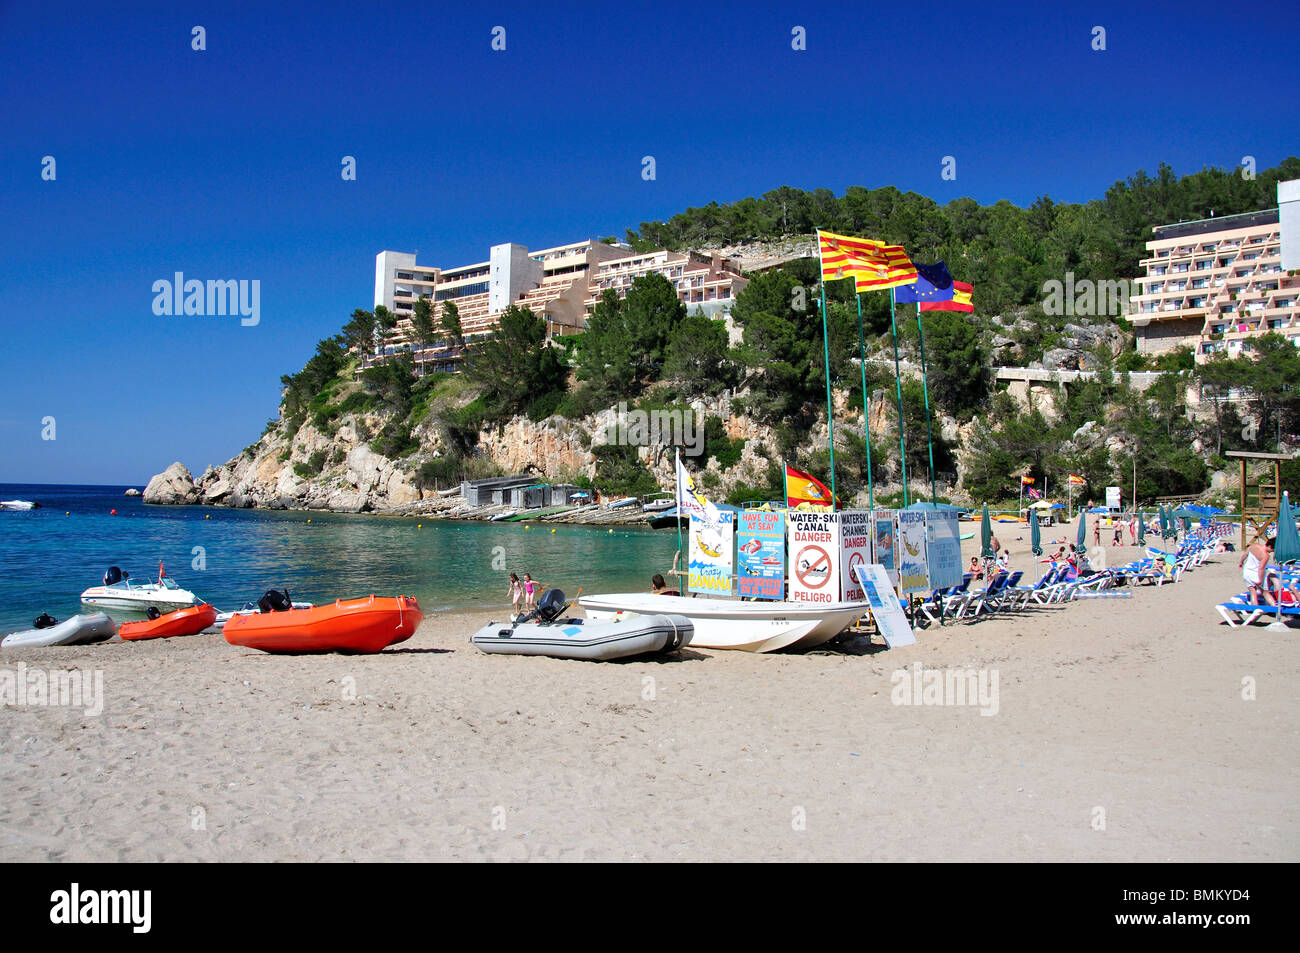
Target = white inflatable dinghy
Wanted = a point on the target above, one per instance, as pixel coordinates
(595, 642)
(543, 632)
(79, 630)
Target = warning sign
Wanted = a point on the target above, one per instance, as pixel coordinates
(814, 548)
(855, 550)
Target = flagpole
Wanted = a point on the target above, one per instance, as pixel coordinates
(925, 385)
(898, 393)
(866, 405)
(785, 482)
(826, 353)
(677, 479)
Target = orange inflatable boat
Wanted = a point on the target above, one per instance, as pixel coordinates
(353, 625)
(189, 621)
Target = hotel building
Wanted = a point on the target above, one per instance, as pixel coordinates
(1214, 284)
(561, 285)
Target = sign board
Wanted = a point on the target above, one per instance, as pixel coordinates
(943, 549)
(855, 550)
(814, 551)
(760, 555)
(709, 569)
(1112, 498)
(913, 571)
(886, 610)
(883, 546)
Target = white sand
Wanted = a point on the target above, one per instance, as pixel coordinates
(1134, 707)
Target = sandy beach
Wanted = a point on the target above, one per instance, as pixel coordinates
(1120, 733)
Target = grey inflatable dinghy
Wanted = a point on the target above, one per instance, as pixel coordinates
(79, 630)
(543, 632)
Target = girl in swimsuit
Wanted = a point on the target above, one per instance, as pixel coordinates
(515, 592)
(530, 591)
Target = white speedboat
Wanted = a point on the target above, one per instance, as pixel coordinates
(620, 502)
(19, 505)
(120, 594)
(659, 503)
(732, 624)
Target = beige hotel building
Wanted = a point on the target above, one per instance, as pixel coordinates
(1215, 284)
(561, 285)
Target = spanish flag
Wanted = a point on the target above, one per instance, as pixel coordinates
(962, 299)
(873, 265)
(802, 487)
(1026, 479)
(1076, 480)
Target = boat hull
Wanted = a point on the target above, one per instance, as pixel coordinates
(79, 630)
(189, 621)
(739, 626)
(594, 642)
(354, 626)
(137, 600)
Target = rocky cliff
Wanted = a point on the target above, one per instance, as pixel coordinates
(339, 471)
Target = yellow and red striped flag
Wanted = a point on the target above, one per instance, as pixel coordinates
(1076, 480)
(871, 264)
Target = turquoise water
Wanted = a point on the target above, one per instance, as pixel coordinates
(49, 556)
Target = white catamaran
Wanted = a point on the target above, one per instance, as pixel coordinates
(731, 624)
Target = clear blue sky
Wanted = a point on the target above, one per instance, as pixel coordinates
(225, 163)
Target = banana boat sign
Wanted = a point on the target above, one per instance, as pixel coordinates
(712, 544)
(913, 566)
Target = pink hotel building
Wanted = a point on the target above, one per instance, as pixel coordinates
(1214, 284)
(561, 285)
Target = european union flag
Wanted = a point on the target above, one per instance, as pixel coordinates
(933, 283)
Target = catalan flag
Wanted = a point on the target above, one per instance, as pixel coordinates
(962, 299)
(873, 265)
(1075, 480)
(803, 487)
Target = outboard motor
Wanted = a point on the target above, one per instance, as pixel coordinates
(114, 575)
(45, 621)
(275, 601)
(551, 605)
(152, 613)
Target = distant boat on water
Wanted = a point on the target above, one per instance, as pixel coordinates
(19, 505)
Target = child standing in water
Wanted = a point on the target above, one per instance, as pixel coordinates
(516, 592)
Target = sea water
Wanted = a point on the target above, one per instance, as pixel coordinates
(228, 556)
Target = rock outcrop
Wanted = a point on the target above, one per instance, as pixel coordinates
(174, 485)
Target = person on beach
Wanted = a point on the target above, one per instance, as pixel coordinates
(659, 587)
(1004, 561)
(531, 589)
(1253, 564)
(1096, 533)
(1119, 535)
(515, 592)
(975, 571)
